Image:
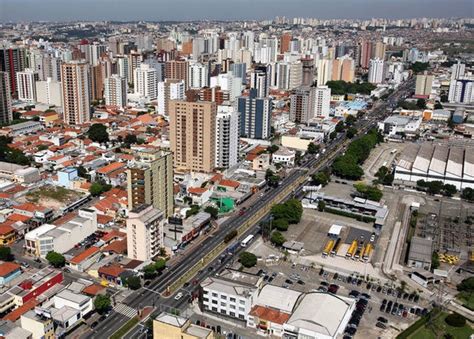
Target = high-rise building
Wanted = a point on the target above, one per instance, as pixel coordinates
(285, 40)
(376, 71)
(75, 80)
(12, 60)
(150, 181)
(170, 89)
(239, 70)
(302, 104)
(457, 70)
(134, 61)
(198, 75)
(26, 85)
(322, 101)
(378, 50)
(177, 69)
(97, 83)
(144, 232)
(115, 91)
(289, 75)
(461, 90)
(424, 83)
(145, 83)
(122, 68)
(49, 92)
(260, 80)
(192, 135)
(227, 136)
(308, 71)
(93, 52)
(6, 114)
(343, 69)
(324, 67)
(255, 116)
(365, 53)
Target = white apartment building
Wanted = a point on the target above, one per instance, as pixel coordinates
(115, 91)
(145, 82)
(170, 89)
(26, 84)
(322, 100)
(49, 92)
(376, 71)
(198, 75)
(79, 302)
(144, 232)
(227, 136)
(461, 90)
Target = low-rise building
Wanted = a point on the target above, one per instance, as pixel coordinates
(284, 156)
(399, 124)
(170, 326)
(39, 324)
(8, 272)
(421, 250)
(79, 302)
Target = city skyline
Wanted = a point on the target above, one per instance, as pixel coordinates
(148, 10)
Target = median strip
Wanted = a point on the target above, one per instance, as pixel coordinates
(125, 328)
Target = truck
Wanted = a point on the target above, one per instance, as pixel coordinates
(368, 251)
(351, 250)
(336, 247)
(328, 248)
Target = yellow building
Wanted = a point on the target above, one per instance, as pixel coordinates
(169, 326)
(7, 234)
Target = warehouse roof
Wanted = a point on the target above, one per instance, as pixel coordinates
(278, 298)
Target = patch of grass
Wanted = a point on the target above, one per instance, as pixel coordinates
(60, 194)
(437, 328)
(125, 328)
(467, 299)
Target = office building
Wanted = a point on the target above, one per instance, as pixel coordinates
(75, 80)
(144, 232)
(6, 113)
(115, 91)
(178, 70)
(170, 89)
(150, 181)
(424, 83)
(12, 60)
(192, 135)
(376, 71)
(260, 80)
(198, 76)
(145, 82)
(302, 104)
(227, 137)
(26, 85)
(255, 116)
(461, 90)
(322, 100)
(49, 92)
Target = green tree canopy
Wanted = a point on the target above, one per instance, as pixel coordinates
(291, 210)
(419, 67)
(340, 87)
(313, 148)
(369, 192)
(468, 194)
(6, 254)
(280, 224)
(277, 238)
(102, 303)
(321, 178)
(248, 259)
(56, 259)
(214, 212)
(134, 283)
(98, 133)
(466, 285)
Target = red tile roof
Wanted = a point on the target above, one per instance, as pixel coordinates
(5, 228)
(114, 234)
(197, 190)
(112, 270)
(118, 246)
(93, 289)
(17, 313)
(18, 217)
(229, 183)
(7, 268)
(270, 314)
(84, 255)
(111, 167)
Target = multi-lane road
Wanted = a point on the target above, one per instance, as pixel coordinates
(290, 185)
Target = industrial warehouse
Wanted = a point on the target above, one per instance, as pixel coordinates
(437, 162)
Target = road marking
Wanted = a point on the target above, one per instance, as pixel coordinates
(125, 310)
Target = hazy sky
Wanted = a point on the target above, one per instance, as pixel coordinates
(64, 10)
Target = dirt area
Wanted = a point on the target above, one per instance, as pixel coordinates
(382, 156)
(51, 197)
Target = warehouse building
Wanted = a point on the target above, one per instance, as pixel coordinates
(431, 162)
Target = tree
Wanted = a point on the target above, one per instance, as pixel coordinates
(130, 139)
(82, 172)
(280, 224)
(291, 210)
(333, 135)
(42, 147)
(455, 320)
(6, 254)
(449, 190)
(339, 127)
(56, 259)
(134, 283)
(468, 194)
(214, 212)
(369, 192)
(438, 105)
(95, 189)
(419, 67)
(192, 211)
(98, 133)
(467, 285)
(321, 178)
(277, 238)
(421, 103)
(102, 303)
(350, 120)
(351, 132)
(248, 259)
(313, 148)
(434, 260)
(272, 149)
(321, 205)
(435, 187)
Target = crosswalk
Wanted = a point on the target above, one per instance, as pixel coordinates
(125, 310)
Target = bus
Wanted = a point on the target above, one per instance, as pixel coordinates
(367, 252)
(247, 240)
(336, 247)
(351, 250)
(360, 251)
(328, 248)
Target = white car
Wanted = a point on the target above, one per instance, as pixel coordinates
(178, 296)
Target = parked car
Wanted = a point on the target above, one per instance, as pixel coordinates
(178, 296)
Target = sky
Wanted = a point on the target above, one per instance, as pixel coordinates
(133, 10)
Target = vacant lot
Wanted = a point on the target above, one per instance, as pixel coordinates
(52, 196)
